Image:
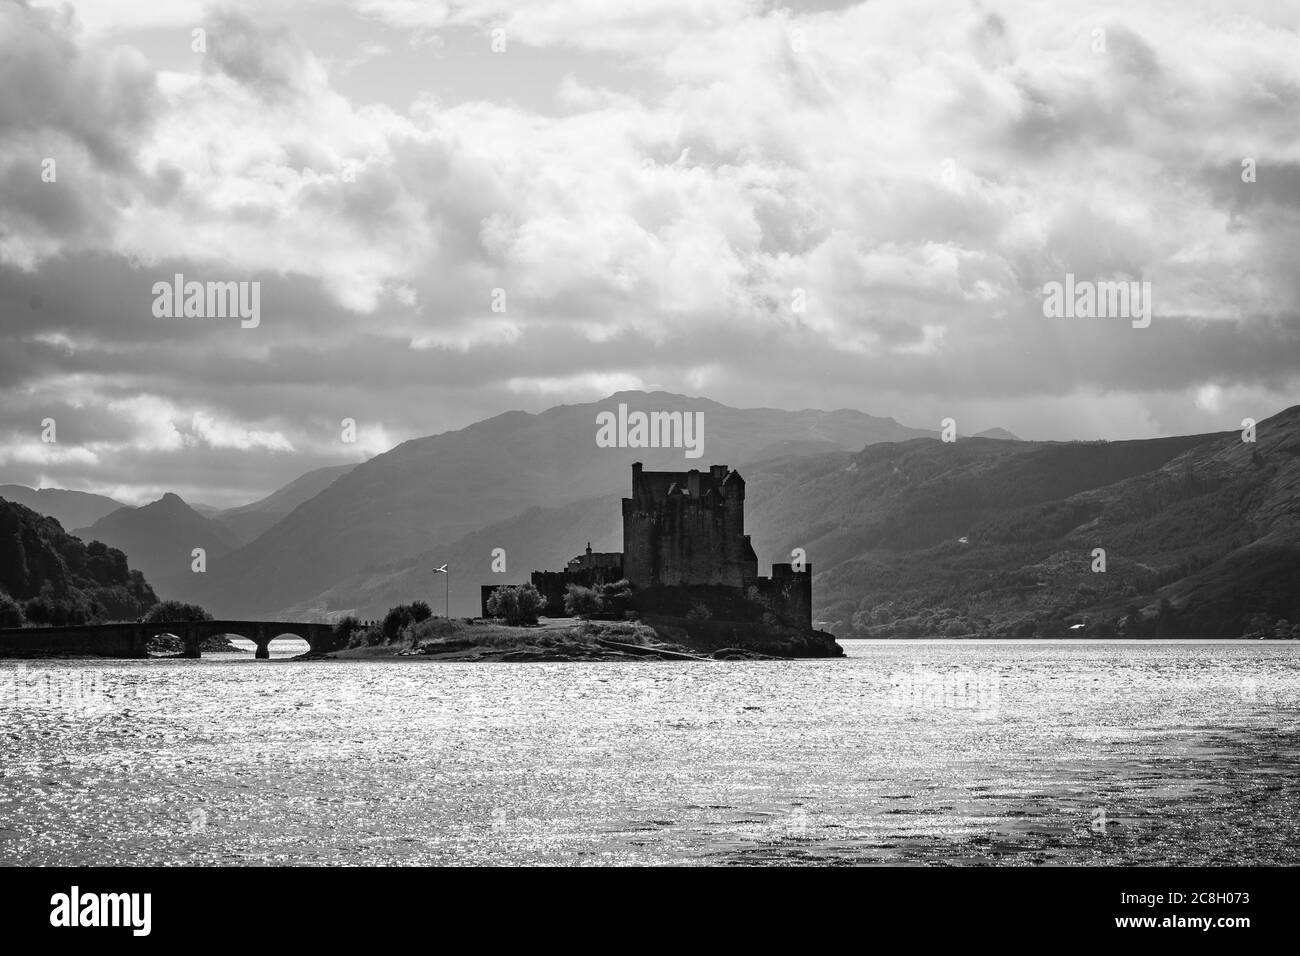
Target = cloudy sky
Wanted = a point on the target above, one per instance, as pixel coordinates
(653, 184)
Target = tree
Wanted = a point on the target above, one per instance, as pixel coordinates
(396, 619)
(615, 597)
(11, 612)
(517, 604)
(581, 602)
(343, 630)
(403, 616)
(168, 611)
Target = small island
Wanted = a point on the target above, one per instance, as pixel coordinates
(684, 587)
(550, 639)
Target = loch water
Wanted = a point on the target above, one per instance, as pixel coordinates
(1180, 752)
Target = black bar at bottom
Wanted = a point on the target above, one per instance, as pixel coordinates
(302, 906)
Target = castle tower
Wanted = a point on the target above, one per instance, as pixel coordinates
(686, 527)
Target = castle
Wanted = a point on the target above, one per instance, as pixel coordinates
(685, 531)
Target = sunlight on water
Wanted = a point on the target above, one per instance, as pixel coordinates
(280, 647)
(1078, 752)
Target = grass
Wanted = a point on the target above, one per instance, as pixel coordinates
(476, 639)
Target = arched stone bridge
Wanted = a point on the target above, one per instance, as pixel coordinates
(131, 639)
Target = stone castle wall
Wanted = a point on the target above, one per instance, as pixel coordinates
(686, 528)
(786, 594)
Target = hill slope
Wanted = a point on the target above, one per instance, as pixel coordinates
(249, 521)
(427, 494)
(61, 580)
(71, 509)
(1201, 534)
(160, 538)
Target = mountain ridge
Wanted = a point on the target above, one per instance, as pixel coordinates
(428, 493)
(981, 537)
(159, 538)
(72, 509)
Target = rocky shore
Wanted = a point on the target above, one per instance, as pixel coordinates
(566, 639)
(164, 645)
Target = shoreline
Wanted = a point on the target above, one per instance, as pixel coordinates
(554, 640)
(577, 639)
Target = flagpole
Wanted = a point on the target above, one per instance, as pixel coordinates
(446, 610)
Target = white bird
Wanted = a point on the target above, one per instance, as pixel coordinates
(441, 570)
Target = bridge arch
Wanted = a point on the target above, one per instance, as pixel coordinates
(260, 633)
(274, 634)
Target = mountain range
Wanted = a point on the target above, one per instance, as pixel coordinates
(249, 521)
(426, 495)
(71, 509)
(982, 537)
(908, 535)
(160, 539)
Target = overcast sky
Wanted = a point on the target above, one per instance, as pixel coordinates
(650, 183)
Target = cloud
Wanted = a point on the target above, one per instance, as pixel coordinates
(850, 206)
(591, 384)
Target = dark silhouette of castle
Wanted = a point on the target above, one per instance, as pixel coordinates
(684, 530)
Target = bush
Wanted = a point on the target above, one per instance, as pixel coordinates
(344, 628)
(517, 604)
(616, 597)
(403, 616)
(396, 619)
(11, 613)
(71, 607)
(168, 611)
(581, 602)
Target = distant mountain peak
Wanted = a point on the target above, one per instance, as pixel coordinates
(71, 509)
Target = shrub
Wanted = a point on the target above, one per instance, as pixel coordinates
(396, 619)
(401, 617)
(616, 597)
(517, 604)
(72, 607)
(167, 611)
(344, 628)
(11, 613)
(359, 637)
(581, 602)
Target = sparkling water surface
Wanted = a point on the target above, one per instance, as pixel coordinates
(907, 752)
